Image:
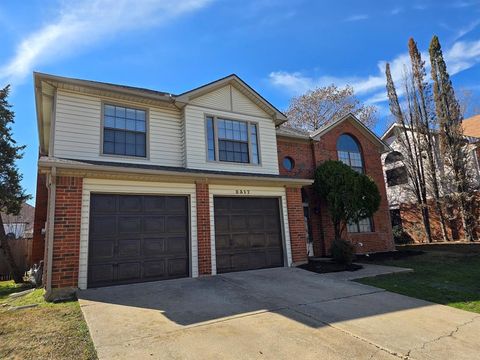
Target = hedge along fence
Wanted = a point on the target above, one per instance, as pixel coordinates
(21, 251)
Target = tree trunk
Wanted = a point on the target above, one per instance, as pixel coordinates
(426, 223)
(7, 252)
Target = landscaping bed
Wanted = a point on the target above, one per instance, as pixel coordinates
(324, 266)
(446, 277)
(45, 331)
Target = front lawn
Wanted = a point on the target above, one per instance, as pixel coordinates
(47, 331)
(444, 277)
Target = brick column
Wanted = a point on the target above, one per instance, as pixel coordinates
(40, 217)
(296, 223)
(66, 240)
(203, 229)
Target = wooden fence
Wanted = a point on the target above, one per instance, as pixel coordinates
(21, 251)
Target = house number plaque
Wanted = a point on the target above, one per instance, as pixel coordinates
(242, 192)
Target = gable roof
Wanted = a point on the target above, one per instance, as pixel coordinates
(293, 133)
(356, 122)
(471, 126)
(240, 85)
(45, 85)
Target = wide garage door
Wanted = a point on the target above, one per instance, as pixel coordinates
(247, 233)
(136, 238)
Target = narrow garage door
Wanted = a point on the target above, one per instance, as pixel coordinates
(247, 233)
(136, 238)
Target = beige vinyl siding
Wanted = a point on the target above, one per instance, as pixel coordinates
(243, 105)
(197, 147)
(133, 187)
(217, 99)
(255, 191)
(78, 131)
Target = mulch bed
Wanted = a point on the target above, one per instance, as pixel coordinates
(328, 266)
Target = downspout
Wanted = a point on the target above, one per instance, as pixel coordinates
(52, 187)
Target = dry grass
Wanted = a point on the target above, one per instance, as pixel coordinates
(48, 331)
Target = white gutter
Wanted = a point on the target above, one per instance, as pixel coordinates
(52, 187)
(170, 173)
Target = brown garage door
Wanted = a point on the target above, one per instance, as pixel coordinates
(247, 233)
(136, 238)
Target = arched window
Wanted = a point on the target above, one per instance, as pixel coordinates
(393, 157)
(349, 152)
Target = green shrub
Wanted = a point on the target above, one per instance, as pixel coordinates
(343, 251)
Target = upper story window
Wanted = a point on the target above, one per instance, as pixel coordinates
(349, 152)
(124, 131)
(393, 157)
(362, 226)
(232, 141)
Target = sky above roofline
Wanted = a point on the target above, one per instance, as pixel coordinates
(280, 48)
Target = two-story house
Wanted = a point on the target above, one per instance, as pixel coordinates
(138, 185)
(405, 213)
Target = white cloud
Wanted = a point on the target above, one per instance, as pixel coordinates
(397, 10)
(86, 23)
(357, 17)
(461, 56)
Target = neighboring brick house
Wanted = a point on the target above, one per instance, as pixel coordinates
(405, 212)
(138, 185)
(347, 140)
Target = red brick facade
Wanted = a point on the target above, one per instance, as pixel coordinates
(309, 154)
(296, 223)
(66, 242)
(203, 229)
(40, 218)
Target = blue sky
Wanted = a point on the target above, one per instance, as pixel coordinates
(281, 48)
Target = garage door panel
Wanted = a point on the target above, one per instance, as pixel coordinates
(130, 203)
(176, 205)
(176, 245)
(154, 224)
(129, 248)
(135, 238)
(101, 250)
(240, 261)
(222, 223)
(240, 241)
(129, 271)
(154, 269)
(247, 233)
(153, 247)
(239, 222)
(258, 260)
(177, 267)
(103, 225)
(222, 241)
(104, 203)
(129, 224)
(101, 273)
(257, 240)
(176, 225)
(256, 222)
(154, 204)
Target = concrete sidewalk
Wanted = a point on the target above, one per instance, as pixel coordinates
(281, 313)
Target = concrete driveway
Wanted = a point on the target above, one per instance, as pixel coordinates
(278, 313)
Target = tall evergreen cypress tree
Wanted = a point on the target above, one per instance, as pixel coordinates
(12, 196)
(453, 143)
(426, 124)
(410, 145)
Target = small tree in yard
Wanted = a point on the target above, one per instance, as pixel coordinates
(12, 195)
(349, 195)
